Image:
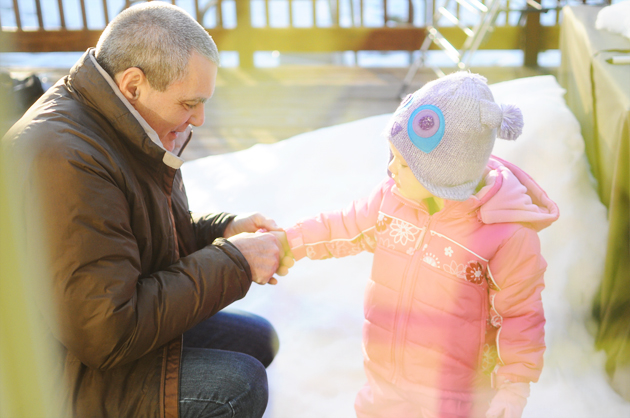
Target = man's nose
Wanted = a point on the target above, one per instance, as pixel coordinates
(198, 116)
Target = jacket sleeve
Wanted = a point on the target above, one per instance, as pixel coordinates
(339, 233)
(210, 227)
(517, 271)
(204, 228)
(112, 306)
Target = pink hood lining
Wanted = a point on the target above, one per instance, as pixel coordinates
(511, 195)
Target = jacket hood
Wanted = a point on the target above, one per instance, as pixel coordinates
(511, 195)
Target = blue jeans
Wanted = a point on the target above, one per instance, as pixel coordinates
(223, 366)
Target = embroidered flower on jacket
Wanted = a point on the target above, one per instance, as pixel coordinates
(382, 222)
(431, 260)
(454, 268)
(448, 251)
(370, 241)
(403, 231)
(474, 272)
(491, 284)
(344, 248)
(310, 252)
(496, 320)
(385, 243)
(489, 360)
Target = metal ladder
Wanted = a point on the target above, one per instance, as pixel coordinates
(487, 14)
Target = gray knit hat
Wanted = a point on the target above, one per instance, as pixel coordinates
(446, 130)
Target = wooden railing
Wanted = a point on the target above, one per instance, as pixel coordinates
(285, 26)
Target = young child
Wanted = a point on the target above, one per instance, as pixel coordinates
(454, 323)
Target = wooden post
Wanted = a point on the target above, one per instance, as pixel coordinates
(105, 11)
(532, 42)
(243, 27)
(385, 14)
(18, 20)
(198, 14)
(219, 14)
(267, 15)
(290, 14)
(360, 13)
(84, 15)
(40, 17)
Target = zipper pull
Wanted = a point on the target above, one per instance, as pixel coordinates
(422, 234)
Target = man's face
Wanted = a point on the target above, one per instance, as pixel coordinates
(170, 112)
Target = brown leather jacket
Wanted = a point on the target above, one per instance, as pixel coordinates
(130, 270)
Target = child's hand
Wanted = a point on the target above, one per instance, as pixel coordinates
(286, 262)
(509, 401)
(286, 258)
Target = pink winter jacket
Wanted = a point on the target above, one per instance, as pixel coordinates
(452, 296)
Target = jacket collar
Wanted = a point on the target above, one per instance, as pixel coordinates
(99, 90)
(508, 194)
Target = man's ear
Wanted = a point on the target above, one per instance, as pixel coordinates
(130, 83)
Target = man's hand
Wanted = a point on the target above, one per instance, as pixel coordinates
(251, 222)
(263, 252)
(255, 222)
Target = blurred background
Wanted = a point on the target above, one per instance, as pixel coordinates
(340, 60)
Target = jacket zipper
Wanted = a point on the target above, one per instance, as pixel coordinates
(485, 301)
(407, 298)
(171, 219)
(172, 222)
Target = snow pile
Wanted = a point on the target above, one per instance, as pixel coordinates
(615, 18)
(317, 309)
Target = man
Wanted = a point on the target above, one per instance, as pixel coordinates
(131, 271)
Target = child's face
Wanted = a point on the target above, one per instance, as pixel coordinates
(406, 182)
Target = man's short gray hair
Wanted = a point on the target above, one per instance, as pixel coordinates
(156, 37)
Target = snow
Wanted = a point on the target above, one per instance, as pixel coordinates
(317, 309)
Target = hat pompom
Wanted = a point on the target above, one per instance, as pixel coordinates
(511, 123)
